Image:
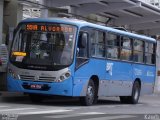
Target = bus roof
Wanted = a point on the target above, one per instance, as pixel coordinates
(82, 23)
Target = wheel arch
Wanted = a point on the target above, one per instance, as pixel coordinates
(95, 79)
(139, 81)
(92, 96)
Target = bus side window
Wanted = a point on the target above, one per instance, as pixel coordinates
(97, 39)
(126, 48)
(138, 46)
(82, 45)
(149, 53)
(113, 44)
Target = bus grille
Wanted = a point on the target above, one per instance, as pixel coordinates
(51, 79)
(37, 78)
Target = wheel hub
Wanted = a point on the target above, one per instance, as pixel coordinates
(90, 91)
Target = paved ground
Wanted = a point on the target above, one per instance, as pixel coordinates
(19, 107)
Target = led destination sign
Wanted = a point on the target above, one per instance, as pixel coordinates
(49, 28)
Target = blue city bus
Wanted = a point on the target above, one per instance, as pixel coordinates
(75, 58)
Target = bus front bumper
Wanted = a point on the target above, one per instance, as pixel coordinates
(49, 88)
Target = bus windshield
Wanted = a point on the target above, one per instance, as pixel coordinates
(43, 46)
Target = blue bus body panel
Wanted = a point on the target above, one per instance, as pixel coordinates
(119, 71)
(118, 81)
(83, 74)
(98, 67)
(146, 73)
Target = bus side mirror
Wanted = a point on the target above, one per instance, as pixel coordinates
(82, 43)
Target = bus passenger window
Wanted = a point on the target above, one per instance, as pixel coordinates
(138, 51)
(112, 52)
(126, 49)
(97, 39)
(113, 46)
(149, 53)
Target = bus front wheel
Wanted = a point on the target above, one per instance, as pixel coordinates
(91, 96)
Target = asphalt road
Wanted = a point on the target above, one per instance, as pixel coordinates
(19, 107)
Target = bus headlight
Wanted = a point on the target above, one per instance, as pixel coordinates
(64, 76)
(13, 75)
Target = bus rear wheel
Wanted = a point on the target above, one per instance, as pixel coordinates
(91, 96)
(133, 99)
(135, 93)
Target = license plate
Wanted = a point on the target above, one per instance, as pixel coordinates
(36, 86)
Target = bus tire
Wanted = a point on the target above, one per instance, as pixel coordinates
(91, 96)
(35, 98)
(133, 99)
